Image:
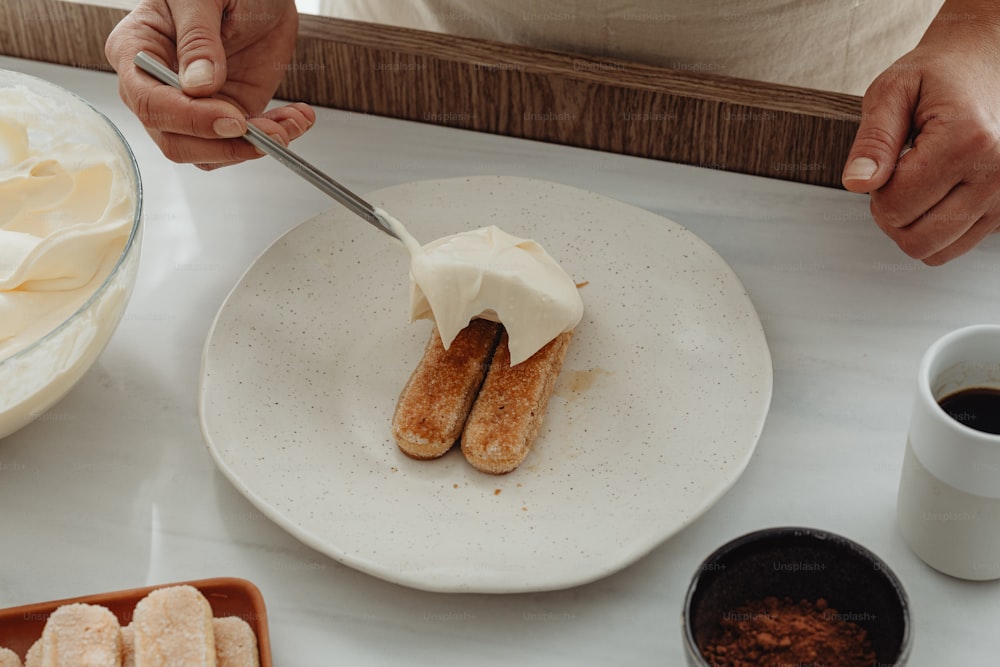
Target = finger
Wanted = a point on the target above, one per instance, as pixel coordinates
(147, 27)
(886, 113)
(143, 29)
(194, 150)
(283, 124)
(943, 224)
(983, 227)
(923, 177)
(201, 57)
(292, 121)
(220, 165)
(165, 109)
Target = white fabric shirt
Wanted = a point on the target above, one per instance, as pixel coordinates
(838, 45)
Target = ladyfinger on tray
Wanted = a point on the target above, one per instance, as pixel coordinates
(81, 634)
(507, 414)
(128, 646)
(235, 643)
(33, 658)
(9, 659)
(173, 627)
(435, 402)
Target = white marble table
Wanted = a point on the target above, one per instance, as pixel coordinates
(114, 488)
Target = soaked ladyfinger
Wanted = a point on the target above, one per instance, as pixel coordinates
(435, 402)
(507, 414)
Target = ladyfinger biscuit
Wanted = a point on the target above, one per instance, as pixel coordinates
(128, 646)
(8, 658)
(235, 643)
(508, 412)
(435, 402)
(81, 635)
(33, 658)
(173, 628)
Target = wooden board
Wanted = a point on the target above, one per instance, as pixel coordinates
(691, 118)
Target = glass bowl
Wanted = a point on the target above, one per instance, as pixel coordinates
(52, 347)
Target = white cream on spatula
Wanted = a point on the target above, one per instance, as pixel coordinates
(490, 274)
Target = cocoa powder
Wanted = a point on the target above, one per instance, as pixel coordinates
(775, 632)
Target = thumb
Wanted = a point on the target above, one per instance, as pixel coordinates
(201, 58)
(885, 126)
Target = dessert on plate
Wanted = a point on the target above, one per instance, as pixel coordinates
(503, 312)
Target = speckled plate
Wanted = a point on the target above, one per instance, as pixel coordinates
(658, 409)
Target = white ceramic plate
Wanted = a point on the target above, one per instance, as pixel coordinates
(658, 409)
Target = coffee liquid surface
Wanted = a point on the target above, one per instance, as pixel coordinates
(977, 407)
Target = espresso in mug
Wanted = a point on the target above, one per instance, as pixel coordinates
(949, 489)
(975, 407)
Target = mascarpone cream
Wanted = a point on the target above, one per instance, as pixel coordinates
(70, 228)
(491, 274)
(66, 211)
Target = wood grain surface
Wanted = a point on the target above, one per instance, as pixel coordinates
(682, 116)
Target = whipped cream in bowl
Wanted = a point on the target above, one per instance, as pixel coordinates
(70, 234)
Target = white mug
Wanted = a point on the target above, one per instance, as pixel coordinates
(948, 505)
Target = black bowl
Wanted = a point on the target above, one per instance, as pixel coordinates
(799, 563)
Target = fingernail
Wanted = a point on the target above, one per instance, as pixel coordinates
(197, 74)
(860, 169)
(227, 128)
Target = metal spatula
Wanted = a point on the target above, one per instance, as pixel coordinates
(286, 157)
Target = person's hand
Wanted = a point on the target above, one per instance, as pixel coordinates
(235, 51)
(942, 197)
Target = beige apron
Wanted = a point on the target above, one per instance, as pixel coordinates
(838, 45)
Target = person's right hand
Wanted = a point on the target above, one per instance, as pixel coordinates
(230, 55)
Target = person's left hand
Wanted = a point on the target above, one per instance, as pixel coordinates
(942, 197)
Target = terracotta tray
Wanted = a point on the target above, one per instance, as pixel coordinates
(21, 626)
